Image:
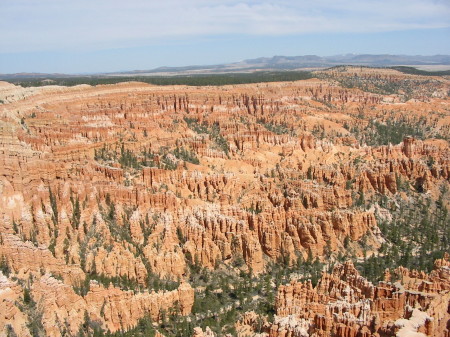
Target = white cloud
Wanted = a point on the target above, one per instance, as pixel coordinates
(30, 25)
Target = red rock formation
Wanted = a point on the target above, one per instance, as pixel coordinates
(11, 316)
(345, 304)
(90, 183)
(112, 308)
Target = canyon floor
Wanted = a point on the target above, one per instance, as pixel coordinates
(285, 209)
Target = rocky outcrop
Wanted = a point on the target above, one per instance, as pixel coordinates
(345, 304)
(25, 258)
(12, 318)
(198, 332)
(111, 308)
(136, 184)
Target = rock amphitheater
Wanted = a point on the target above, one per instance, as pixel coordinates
(117, 202)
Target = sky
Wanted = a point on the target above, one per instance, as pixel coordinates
(86, 36)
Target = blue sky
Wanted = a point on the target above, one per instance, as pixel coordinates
(109, 35)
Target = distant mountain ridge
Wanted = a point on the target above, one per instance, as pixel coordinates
(304, 62)
(270, 63)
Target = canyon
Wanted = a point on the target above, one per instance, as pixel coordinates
(307, 208)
